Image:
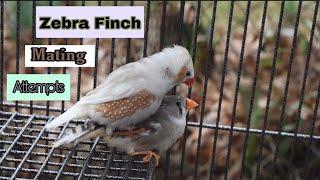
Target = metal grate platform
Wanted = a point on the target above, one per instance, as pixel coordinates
(26, 153)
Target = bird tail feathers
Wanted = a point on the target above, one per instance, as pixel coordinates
(80, 134)
(72, 113)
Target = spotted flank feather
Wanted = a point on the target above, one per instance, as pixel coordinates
(126, 107)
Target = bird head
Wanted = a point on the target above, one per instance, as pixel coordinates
(179, 66)
(183, 70)
(177, 105)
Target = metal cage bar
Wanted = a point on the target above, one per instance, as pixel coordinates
(225, 61)
(49, 71)
(304, 82)
(254, 85)
(17, 42)
(270, 88)
(33, 38)
(205, 88)
(194, 50)
(311, 138)
(283, 106)
(1, 55)
(50, 159)
(28, 153)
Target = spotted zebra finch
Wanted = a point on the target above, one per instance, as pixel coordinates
(133, 92)
(149, 138)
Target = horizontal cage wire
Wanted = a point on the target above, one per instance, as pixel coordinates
(257, 85)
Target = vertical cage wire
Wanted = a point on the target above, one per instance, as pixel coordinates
(83, 2)
(304, 82)
(205, 87)
(1, 57)
(146, 33)
(33, 38)
(225, 61)
(194, 50)
(311, 138)
(270, 88)
(17, 42)
(115, 3)
(283, 106)
(64, 69)
(253, 91)
(236, 90)
(96, 59)
(49, 71)
(179, 42)
(129, 42)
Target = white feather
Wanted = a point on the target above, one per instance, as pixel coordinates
(70, 137)
(145, 74)
(76, 111)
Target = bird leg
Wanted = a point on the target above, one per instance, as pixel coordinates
(129, 133)
(147, 156)
(87, 124)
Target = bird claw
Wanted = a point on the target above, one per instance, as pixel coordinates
(87, 124)
(147, 156)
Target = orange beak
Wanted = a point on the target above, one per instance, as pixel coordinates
(191, 104)
(189, 82)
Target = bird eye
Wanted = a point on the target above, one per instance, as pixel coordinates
(188, 73)
(178, 103)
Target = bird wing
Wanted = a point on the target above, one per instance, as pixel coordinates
(161, 132)
(126, 107)
(122, 83)
(155, 124)
(125, 82)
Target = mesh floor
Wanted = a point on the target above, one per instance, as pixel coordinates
(26, 153)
